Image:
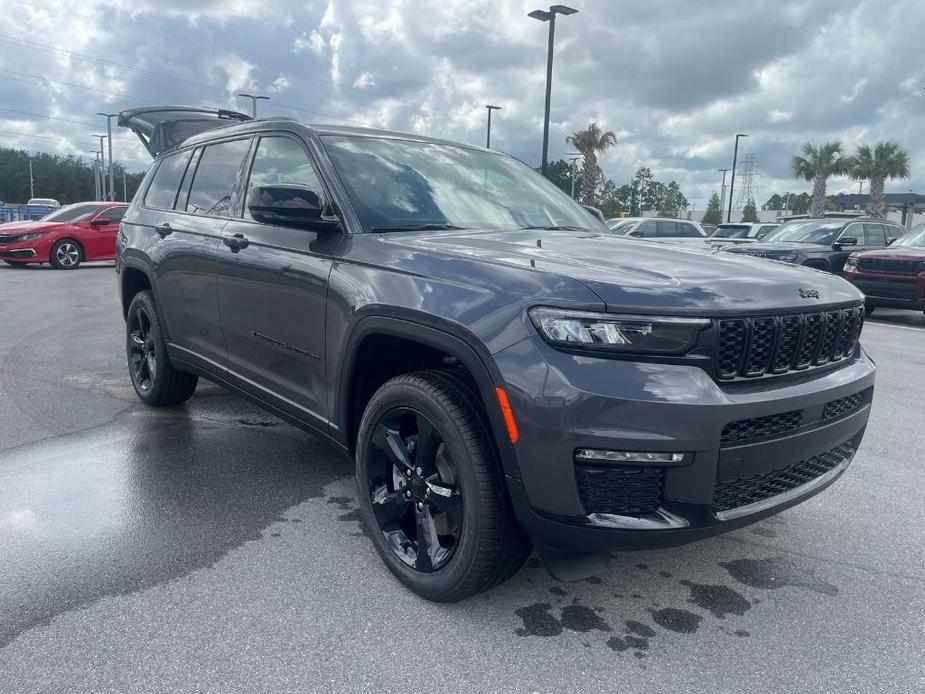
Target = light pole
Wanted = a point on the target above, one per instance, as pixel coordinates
(722, 193)
(573, 174)
(96, 178)
(254, 99)
(549, 16)
(112, 185)
(102, 168)
(124, 187)
(31, 181)
(488, 136)
(732, 182)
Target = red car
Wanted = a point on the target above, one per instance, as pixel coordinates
(65, 238)
(893, 277)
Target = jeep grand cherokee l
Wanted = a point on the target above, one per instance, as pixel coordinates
(824, 244)
(505, 370)
(893, 277)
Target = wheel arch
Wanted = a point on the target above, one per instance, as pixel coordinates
(134, 277)
(355, 386)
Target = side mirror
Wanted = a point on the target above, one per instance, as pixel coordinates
(847, 241)
(596, 212)
(100, 222)
(890, 240)
(288, 205)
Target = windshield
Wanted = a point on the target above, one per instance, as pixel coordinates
(400, 184)
(622, 227)
(731, 232)
(72, 213)
(916, 238)
(806, 231)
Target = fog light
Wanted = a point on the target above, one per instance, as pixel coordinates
(633, 457)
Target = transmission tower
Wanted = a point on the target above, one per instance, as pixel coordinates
(751, 180)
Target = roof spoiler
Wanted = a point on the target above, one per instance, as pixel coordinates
(161, 128)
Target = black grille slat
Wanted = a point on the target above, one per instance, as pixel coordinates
(846, 328)
(749, 490)
(890, 267)
(813, 325)
(620, 490)
(760, 427)
(829, 335)
(760, 346)
(787, 343)
(732, 339)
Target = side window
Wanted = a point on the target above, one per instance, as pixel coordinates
(113, 215)
(764, 230)
(666, 230)
(893, 232)
(876, 236)
(214, 182)
(281, 160)
(854, 231)
(687, 231)
(645, 230)
(162, 191)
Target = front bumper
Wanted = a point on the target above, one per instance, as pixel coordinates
(797, 441)
(897, 291)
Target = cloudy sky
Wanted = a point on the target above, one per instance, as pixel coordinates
(674, 79)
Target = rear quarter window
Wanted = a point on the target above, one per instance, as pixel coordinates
(162, 192)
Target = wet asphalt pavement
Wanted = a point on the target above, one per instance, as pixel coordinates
(214, 548)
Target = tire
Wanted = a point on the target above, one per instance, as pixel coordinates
(458, 495)
(153, 377)
(66, 254)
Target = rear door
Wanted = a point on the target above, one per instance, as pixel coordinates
(273, 291)
(192, 253)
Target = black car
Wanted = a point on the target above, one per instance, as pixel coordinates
(824, 244)
(504, 370)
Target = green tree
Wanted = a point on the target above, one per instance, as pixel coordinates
(817, 164)
(611, 204)
(750, 212)
(877, 163)
(559, 172)
(640, 190)
(590, 142)
(713, 215)
(800, 204)
(671, 200)
(775, 202)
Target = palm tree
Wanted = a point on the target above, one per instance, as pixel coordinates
(816, 165)
(590, 142)
(876, 164)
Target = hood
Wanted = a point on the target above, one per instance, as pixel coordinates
(647, 277)
(16, 228)
(891, 253)
(781, 247)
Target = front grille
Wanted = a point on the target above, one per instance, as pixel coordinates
(749, 490)
(891, 267)
(845, 406)
(760, 427)
(623, 491)
(753, 347)
(6, 240)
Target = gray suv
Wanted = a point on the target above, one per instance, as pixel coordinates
(505, 371)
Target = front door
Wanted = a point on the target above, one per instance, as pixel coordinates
(101, 238)
(272, 292)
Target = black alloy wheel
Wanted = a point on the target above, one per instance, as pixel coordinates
(413, 489)
(142, 355)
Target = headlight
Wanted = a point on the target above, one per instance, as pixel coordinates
(614, 333)
(786, 258)
(852, 261)
(31, 237)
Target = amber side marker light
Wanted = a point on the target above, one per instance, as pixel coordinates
(509, 422)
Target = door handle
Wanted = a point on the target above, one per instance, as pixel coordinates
(236, 242)
(163, 230)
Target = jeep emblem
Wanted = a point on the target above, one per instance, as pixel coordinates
(809, 293)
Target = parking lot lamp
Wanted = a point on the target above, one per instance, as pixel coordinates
(549, 16)
(488, 136)
(103, 194)
(112, 185)
(722, 193)
(732, 182)
(254, 99)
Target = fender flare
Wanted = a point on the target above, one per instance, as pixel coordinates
(476, 360)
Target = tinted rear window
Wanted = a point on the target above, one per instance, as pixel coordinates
(163, 189)
(216, 175)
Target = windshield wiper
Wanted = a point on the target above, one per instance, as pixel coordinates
(555, 227)
(429, 226)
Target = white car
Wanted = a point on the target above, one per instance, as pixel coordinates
(744, 232)
(44, 202)
(681, 232)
